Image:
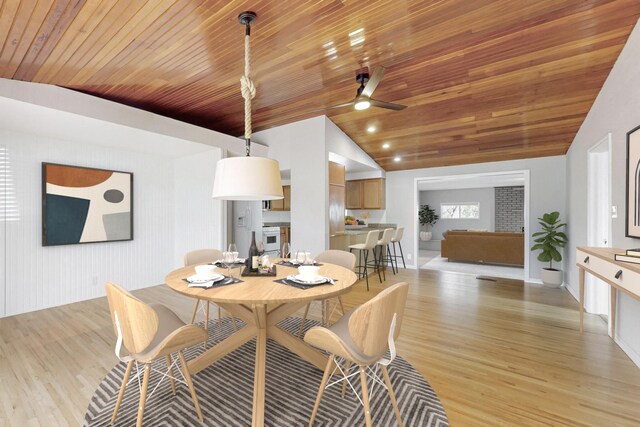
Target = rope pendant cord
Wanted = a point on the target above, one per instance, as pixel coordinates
(248, 89)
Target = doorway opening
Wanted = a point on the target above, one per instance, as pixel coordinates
(598, 221)
(485, 220)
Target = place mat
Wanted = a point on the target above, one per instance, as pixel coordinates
(290, 264)
(224, 282)
(300, 285)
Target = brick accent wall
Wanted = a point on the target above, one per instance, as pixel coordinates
(509, 208)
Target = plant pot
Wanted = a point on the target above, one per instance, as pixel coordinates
(551, 277)
(425, 236)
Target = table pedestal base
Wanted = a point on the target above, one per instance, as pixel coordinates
(260, 324)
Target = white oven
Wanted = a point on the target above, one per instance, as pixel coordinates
(271, 240)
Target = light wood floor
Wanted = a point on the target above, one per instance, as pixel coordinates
(497, 353)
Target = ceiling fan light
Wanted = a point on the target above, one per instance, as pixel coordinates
(362, 104)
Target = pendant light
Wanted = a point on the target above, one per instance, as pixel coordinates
(247, 178)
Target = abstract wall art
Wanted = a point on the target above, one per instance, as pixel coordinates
(85, 205)
(633, 183)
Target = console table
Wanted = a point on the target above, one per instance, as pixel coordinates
(601, 263)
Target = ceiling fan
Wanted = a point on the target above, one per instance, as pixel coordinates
(363, 99)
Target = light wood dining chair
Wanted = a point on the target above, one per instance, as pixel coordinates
(149, 332)
(332, 256)
(204, 256)
(362, 337)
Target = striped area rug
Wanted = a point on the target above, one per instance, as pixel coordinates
(225, 392)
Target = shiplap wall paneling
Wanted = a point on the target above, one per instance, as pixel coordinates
(3, 221)
(39, 277)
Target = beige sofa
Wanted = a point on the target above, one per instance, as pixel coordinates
(489, 247)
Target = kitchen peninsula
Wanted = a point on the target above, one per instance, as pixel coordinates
(351, 236)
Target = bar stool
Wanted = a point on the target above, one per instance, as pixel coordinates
(368, 245)
(384, 248)
(397, 238)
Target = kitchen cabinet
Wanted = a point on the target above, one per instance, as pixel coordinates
(353, 194)
(365, 194)
(287, 197)
(283, 204)
(285, 235)
(336, 174)
(336, 197)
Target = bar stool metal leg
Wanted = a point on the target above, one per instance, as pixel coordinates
(402, 255)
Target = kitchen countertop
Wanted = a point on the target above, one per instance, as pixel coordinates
(364, 230)
(276, 224)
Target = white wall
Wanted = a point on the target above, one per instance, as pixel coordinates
(40, 277)
(340, 144)
(301, 147)
(198, 217)
(615, 110)
(173, 208)
(4, 190)
(547, 193)
(276, 216)
(485, 196)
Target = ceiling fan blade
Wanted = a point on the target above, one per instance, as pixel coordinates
(388, 105)
(334, 106)
(373, 82)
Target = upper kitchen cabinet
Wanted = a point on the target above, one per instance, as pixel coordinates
(336, 174)
(286, 189)
(353, 194)
(365, 194)
(283, 204)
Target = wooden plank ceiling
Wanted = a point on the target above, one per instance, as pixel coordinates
(484, 80)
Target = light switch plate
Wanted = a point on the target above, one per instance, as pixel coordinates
(614, 212)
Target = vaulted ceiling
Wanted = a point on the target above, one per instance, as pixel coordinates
(484, 80)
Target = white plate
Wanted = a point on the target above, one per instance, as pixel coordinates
(308, 280)
(196, 278)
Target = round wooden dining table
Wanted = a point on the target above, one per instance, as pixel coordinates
(261, 303)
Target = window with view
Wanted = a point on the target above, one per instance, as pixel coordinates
(460, 210)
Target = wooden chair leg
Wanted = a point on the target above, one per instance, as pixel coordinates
(304, 319)
(346, 372)
(143, 394)
(187, 377)
(341, 305)
(125, 380)
(170, 368)
(366, 270)
(365, 396)
(219, 313)
(206, 323)
(195, 311)
(235, 325)
(392, 395)
(323, 384)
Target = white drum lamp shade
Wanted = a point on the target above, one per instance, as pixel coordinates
(247, 178)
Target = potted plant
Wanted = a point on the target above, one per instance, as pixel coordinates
(547, 242)
(427, 217)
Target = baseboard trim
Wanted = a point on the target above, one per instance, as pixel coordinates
(633, 355)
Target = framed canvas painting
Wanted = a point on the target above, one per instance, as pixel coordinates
(633, 183)
(85, 205)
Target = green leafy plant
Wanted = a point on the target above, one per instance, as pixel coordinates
(549, 240)
(427, 216)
